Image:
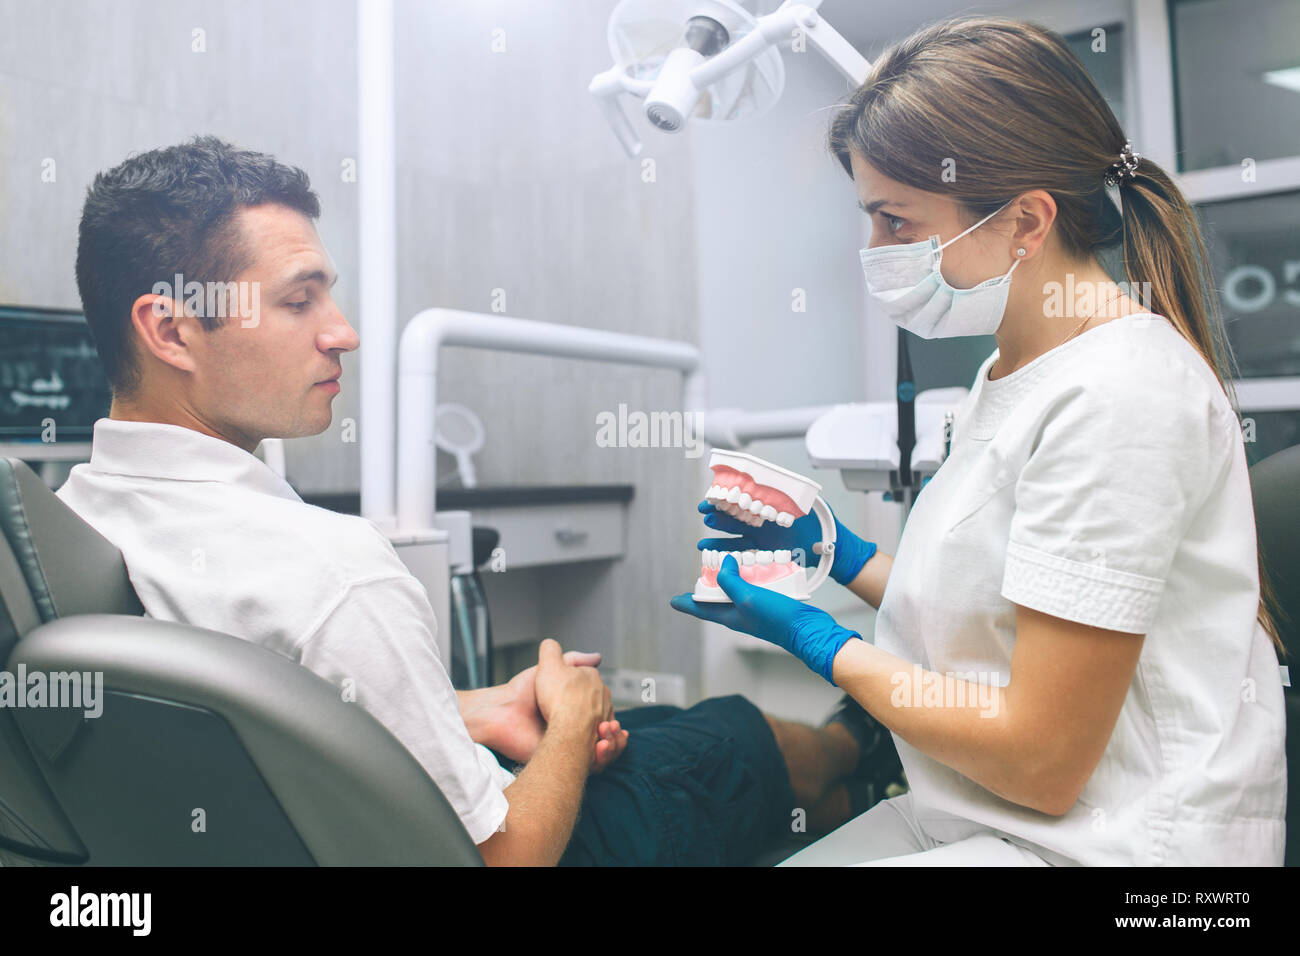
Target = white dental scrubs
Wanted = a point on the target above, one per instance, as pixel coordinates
(1105, 483)
(213, 537)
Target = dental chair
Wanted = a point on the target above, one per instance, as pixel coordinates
(209, 749)
(1275, 482)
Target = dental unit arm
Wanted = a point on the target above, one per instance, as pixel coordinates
(862, 441)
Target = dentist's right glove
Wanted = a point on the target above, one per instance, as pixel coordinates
(808, 633)
(851, 552)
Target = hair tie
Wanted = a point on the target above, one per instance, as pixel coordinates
(1124, 170)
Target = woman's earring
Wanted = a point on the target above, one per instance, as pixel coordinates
(1020, 251)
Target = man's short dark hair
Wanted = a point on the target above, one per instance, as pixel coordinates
(167, 212)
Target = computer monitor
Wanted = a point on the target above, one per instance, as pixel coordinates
(52, 386)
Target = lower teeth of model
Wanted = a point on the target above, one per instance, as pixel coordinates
(713, 559)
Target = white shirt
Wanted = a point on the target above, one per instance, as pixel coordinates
(1105, 483)
(214, 538)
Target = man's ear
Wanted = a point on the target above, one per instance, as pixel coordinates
(164, 329)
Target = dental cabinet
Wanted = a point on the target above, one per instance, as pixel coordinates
(548, 524)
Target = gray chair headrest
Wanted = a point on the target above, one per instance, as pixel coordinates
(52, 563)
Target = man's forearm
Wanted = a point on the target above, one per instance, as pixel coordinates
(476, 706)
(545, 798)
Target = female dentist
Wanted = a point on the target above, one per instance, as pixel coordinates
(1071, 651)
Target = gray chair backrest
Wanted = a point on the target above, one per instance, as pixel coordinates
(201, 748)
(1275, 484)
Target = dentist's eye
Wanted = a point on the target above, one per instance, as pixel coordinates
(893, 222)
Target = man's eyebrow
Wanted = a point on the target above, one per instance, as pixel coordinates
(872, 207)
(309, 275)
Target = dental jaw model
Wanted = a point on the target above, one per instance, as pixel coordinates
(755, 491)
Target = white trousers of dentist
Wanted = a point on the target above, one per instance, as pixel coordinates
(888, 835)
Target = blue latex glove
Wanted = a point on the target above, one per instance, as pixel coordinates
(808, 633)
(851, 552)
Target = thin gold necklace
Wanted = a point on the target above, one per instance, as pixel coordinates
(1076, 331)
(1091, 317)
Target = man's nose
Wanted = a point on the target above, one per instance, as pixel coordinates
(341, 335)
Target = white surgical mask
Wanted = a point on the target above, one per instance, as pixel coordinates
(905, 281)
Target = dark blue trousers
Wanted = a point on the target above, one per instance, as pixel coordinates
(705, 786)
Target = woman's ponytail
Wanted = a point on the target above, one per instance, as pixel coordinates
(1162, 246)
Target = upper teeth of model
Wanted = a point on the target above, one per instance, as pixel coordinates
(740, 505)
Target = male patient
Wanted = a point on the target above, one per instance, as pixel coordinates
(214, 538)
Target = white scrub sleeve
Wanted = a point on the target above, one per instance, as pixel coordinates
(1122, 463)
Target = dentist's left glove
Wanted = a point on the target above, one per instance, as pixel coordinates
(808, 633)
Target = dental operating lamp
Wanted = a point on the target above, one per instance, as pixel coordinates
(709, 60)
(714, 61)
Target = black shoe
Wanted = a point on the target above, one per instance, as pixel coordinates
(879, 771)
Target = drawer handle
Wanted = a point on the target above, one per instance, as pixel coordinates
(570, 536)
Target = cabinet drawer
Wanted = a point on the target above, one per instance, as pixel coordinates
(557, 534)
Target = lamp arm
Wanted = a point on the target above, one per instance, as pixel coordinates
(784, 25)
(781, 26)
